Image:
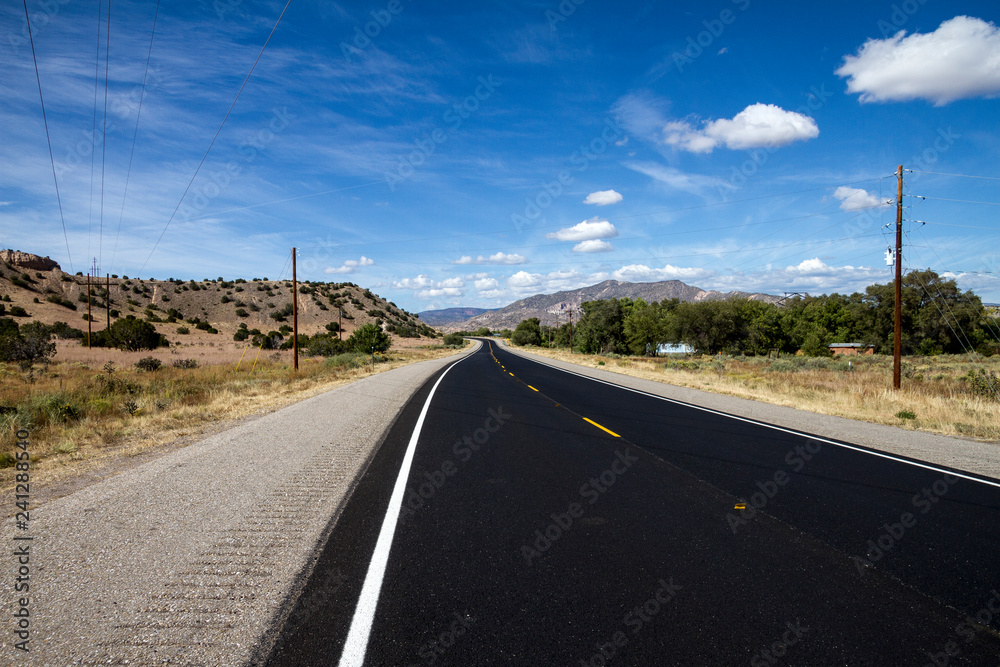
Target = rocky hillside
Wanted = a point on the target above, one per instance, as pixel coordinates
(35, 288)
(547, 307)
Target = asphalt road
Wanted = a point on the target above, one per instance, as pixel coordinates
(551, 519)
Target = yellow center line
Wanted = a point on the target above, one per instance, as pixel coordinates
(510, 374)
(532, 388)
(601, 427)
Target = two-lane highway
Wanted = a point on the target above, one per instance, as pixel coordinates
(545, 518)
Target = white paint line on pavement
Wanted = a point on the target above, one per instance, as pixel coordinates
(364, 614)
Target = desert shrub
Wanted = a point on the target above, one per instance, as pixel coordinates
(183, 330)
(185, 363)
(148, 364)
(454, 340)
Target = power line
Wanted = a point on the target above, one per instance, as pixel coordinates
(941, 173)
(135, 132)
(962, 201)
(104, 132)
(48, 138)
(93, 129)
(217, 132)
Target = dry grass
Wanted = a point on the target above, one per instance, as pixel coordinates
(80, 421)
(935, 390)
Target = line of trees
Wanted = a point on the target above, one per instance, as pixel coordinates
(937, 318)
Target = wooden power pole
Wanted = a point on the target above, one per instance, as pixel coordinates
(107, 298)
(295, 315)
(571, 331)
(88, 311)
(898, 328)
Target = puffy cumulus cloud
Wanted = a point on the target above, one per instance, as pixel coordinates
(496, 258)
(960, 59)
(350, 265)
(594, 228)
(603, 198)
(419, 282)
(439, 291)
(757, 126)
(640, 273)
(484, 284)
(856, 199)
(593, 245)
(522, 282)
(523, 279)
(427, 289)
(810, 275)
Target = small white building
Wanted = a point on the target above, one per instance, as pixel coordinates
(673, 348)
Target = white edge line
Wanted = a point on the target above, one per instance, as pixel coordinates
(863, 450)
(356, 643)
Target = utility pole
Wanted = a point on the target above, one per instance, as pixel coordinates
(340, 322)
(88, 311)
(571, 331)
(898, 329)
(107, 298)
(295, 315)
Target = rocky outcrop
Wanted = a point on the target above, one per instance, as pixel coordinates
(26, 260)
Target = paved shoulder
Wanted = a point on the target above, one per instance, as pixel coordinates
(981, 458)
(187, 559)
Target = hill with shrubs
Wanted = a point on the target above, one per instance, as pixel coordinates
(39, 301)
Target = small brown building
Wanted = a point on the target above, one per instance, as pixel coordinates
(851, 349)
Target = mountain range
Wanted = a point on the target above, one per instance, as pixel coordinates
(555, 308)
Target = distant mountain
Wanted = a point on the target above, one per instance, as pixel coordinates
(550, 308)
(437, 318)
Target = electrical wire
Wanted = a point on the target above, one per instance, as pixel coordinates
(217, 132)
(104, 132)
(961, 201)
(135, 132)
(48, 138)
(941, 173)
(93, 127)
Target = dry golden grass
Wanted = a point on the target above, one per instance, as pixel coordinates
(935, 390)
(80, 423)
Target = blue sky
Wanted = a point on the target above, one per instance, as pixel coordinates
(458, 153)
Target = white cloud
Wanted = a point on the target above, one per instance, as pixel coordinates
(856, 199)
(483, 284)
(496, 258)
(523, 279)
(426, 288)
(757, 126)
(593, 245)
(960, 59)
(594, 228)
(603, 198)
(419, 282)
(439, 291)
(810, 275)
(350, 265)
(676, 179)
(643, 273)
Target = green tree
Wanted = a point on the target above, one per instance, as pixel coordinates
(527, 332)
(600, 330)
(129, 334)
(369, 337)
